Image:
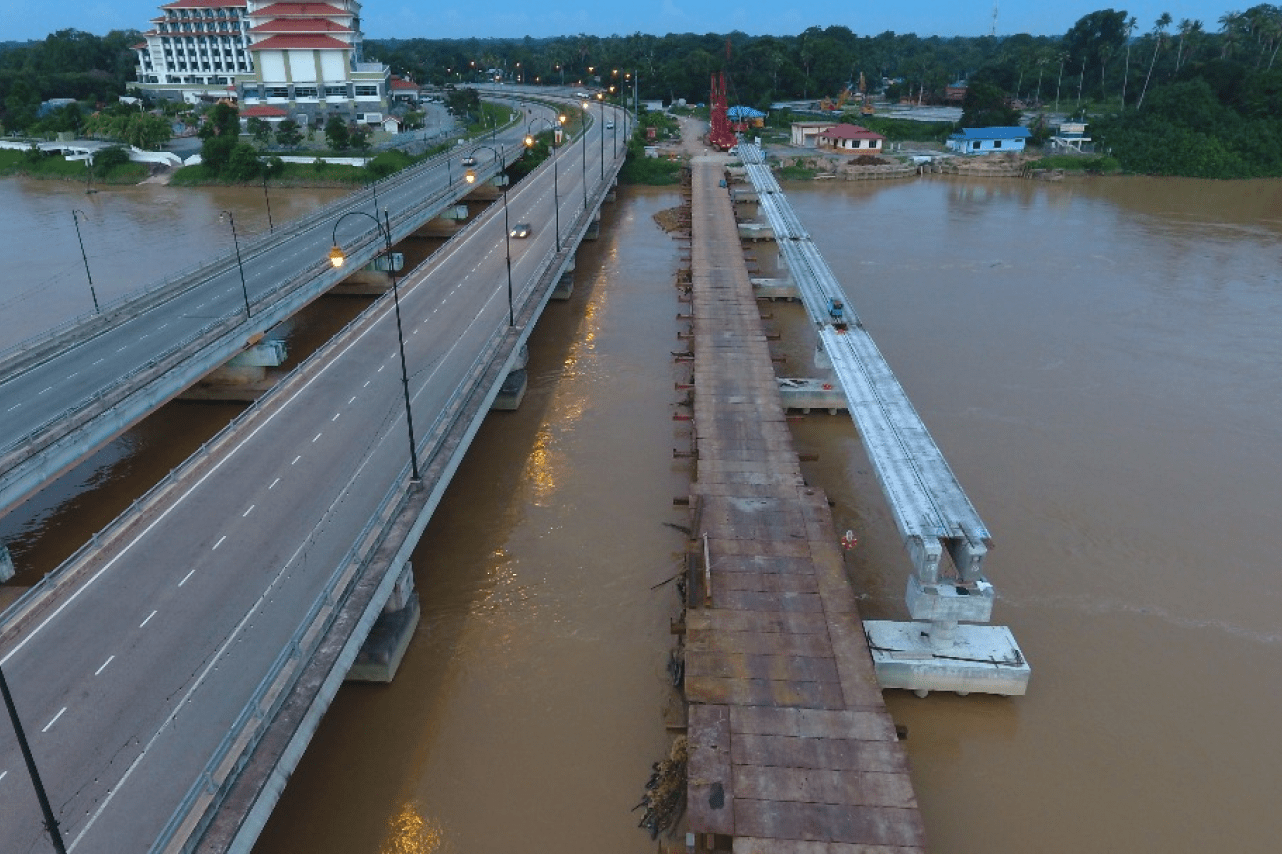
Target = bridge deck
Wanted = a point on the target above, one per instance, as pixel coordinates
(791, 748)
(924, 494)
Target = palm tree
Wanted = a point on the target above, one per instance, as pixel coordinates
(1060, 79)
(1230, 26)
(1131, 24)
(1159, 32)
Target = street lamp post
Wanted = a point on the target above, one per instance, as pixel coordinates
(585, 155)
(75, 217)
(507, 230)
(239, 264)
(271, 228)
(600, 99)
(51, 823)
(337, 258)
(556, 192)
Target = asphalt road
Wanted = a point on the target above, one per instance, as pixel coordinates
(126, 688)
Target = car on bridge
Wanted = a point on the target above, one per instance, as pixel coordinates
(469, 161)
(521, 229)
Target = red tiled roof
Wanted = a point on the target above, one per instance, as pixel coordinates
(845, 131)
(301, 43)
(263, 111)
(399, 83)
(138, 46)
(300, 25)
(306, 10)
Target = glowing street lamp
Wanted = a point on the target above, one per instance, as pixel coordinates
(336, 259)
(507, 229)
(556, 193)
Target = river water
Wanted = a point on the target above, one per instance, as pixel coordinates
(1098, 360)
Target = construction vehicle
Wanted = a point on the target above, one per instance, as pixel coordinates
(831, 106)
(865, 106)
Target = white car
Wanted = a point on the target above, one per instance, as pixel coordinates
(520, 230)
(609, 125)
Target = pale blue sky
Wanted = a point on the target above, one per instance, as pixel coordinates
(28, 19)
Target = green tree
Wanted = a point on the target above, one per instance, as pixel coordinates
(358, 138)
(260, 130)
(243, 163)
(337, 134)
(288, 134)
(985, 106)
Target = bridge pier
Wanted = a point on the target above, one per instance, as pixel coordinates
(512, 392)
(389, 638)
(6, 564)
(565, 285)
(776, 288)
(244, 378)
(447, 224)
(594, 227)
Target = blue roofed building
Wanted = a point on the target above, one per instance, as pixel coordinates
(988, 140)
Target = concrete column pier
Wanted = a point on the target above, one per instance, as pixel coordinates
(6, 564)
(512, 392)
(756, 231)
(594, 227)
(447, 224)
(245, 378)
(808, 394)
(564, 285)
(764, 288)
(390, 636)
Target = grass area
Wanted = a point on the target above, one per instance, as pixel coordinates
(651, 171)
(795, 171)
(57, 168)
(319, 174)
(1096, 164)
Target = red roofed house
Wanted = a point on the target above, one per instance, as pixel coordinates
(404, 90)
(300, 57)
(851, 139)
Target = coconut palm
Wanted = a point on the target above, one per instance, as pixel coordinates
(1159, 33)
(1131, 24)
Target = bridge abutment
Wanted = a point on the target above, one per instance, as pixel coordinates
(512, 391)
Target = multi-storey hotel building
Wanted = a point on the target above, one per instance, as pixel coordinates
(301, 60)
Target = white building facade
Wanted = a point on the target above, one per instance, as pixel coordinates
(303, 58)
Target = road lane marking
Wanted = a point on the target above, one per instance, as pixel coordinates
(296, 459)
(247, 512)
(220, 542)
(55, 719)
(317, 436)
(73, 376)
(98, 672)
(367, 382)
(3, 774)
(12, 408)
(50, 388)
(350, 402)
(100, 361)
(274, 482)
(185, 577)
(335, 418)
(380, 369)
(148, 620)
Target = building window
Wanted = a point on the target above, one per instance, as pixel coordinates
(997, 143)
(277, 92)
(975, 145)
(304, 91)
(335, 91)
(366, 91)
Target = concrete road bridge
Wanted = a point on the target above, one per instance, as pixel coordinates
(171, 673)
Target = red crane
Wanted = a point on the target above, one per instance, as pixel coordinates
(720, 135)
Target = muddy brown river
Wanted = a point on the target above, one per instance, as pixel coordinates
(1100, 362)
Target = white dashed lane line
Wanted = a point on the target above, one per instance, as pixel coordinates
(186, 577)
(317, 436)
(296, 459)
(50, 388)
(148, 620)
(274, 482)
(220, 542)
(353, 400)
(367, 382)
(55, 719)
(247, 512)
(335, 418)
(110, 658)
